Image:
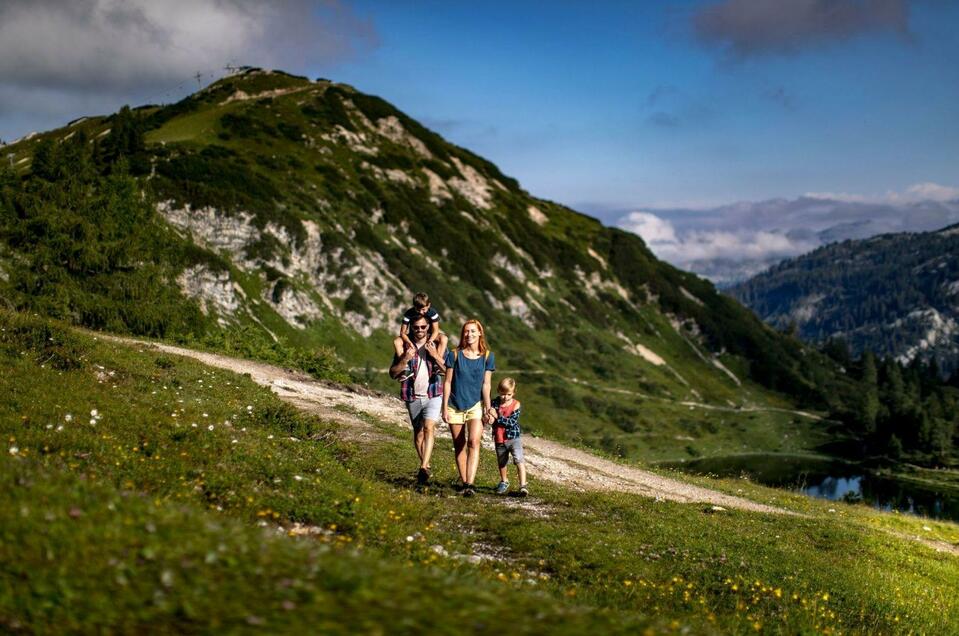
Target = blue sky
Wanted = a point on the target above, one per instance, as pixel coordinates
(654, 116)
(618, 105)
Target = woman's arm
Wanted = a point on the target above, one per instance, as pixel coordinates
(447, 389)
(487, 382)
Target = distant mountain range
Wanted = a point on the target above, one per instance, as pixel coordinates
(895, 294)
(731, 243)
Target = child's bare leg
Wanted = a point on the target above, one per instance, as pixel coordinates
(521, 469)
(398, 346)
(503, 474)
(442, 342)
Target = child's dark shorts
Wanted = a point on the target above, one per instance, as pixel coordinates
(514, 446)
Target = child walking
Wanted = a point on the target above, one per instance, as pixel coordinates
(507, 436)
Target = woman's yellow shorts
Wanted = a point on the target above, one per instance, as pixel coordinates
(474, 412)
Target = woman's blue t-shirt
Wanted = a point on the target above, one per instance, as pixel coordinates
(468, 377)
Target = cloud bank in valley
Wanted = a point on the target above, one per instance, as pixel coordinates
(70, 57)
(730, 243)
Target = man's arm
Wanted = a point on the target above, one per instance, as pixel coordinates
(400, 363)
(434, 353)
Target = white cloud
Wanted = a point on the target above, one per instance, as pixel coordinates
(731, 242)
(134, 49)
(652, 228)
(926, 191)
(695, 248)
(932, 192)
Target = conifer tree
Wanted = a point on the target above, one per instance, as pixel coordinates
(870, 393)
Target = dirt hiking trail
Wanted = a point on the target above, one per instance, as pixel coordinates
(546, 459)
(353, 408)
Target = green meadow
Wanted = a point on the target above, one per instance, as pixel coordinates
(146, 492)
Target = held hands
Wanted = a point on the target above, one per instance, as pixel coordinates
(489, 416)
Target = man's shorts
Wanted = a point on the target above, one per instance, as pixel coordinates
(474, 412)
(514, 446)
(421, 409)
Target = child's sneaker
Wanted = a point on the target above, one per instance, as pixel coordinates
(468, 490)
(523, 491)
(502, 488)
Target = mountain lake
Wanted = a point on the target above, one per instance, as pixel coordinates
(830, 479)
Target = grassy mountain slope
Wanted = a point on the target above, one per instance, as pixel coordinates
(119, 515)
(303, 215)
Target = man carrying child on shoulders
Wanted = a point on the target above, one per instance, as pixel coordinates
(421, 307)
(418, 367)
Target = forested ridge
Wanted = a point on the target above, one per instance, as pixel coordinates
(889, 295)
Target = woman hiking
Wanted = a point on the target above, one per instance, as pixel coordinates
(466, 401)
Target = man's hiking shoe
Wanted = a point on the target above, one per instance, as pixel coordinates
(457, 485)
(523, 491)
(468, 490)
(502, 488)
(423, 476)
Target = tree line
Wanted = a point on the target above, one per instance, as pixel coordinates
(898, 412)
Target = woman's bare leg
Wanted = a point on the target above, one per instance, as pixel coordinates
(458, 432)
(473, 444)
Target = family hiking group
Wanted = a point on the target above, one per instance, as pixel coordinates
(453, 386)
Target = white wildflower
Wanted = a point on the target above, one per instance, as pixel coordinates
(210, 427)
(14, 450)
